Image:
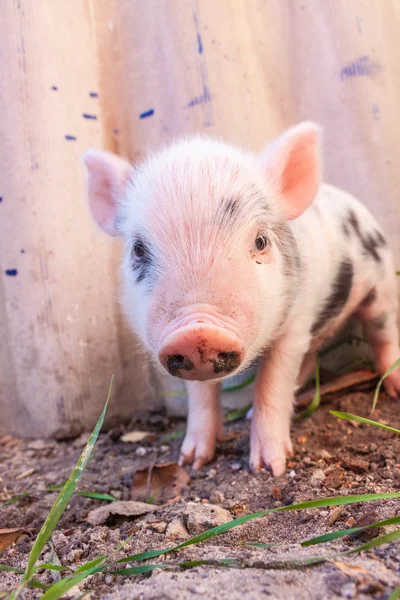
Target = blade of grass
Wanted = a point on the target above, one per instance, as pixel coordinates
(16, 498)
(316, 401)
(64, 585)
(259, 545)
(210, 533)
(50, 567)
(390, 370)
(235, 415)
(61, 502)
(333, 535)
(91, 563)
(54, 488)
(350, 417)
(97, 496)
(225, 562)
(395, 594)
(12, 569)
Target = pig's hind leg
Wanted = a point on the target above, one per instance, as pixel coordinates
(270, 442)
(204, 426)
(378, 313)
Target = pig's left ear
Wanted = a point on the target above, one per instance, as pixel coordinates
(291, 165)
(107, 176)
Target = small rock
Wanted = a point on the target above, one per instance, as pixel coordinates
(236, 466)
(350, 522)
(200, 517)
(349, 590)
(116, 494)
(217, 497)
(39, 445)
(164, 448)
(325, 454)
(335, 479)
(109, 579)
(317, 476)
(358, 465)
(335, 514)
(141, 451)
(198, 589)
(211, 473)
(292, 474)
(74, 555)
(277, 494)
(176, 530)
(159, 526)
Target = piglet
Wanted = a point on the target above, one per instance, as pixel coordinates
(230, 256)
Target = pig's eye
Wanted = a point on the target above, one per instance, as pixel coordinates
(139, 249)
(261, 242)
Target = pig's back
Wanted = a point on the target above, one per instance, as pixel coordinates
(340, 244)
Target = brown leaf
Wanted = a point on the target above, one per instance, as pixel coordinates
(355, 380)
(9, 536)
(159, 482)
(128, 508)
(137, 436)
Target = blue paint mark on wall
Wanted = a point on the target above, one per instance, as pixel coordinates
(196, 24)
(202, 99)
(1, 198)
(376, 113)
(54, 87)
(22, 251)
(87, 116)
(362, 67)
(70, 138)
(93, 94)
(11, 272)
(147, 113)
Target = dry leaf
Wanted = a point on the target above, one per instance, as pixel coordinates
(128, 508)
(356, 380)
(160, 482)
(350, 570)
(137, 436)
(9, 536)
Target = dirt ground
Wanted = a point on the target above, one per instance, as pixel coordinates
(332, 457)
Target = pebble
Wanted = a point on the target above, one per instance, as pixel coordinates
(109, 579)
(176, 530)
(325, 454)
(236, 466)
(217, 497)
(159, 526)
(292, 474)
(200, 517)
(317, 476)
(198, 589)
(164, 448)
(141, 451)
(211, 473)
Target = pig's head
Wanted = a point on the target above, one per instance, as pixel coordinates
(210, 264)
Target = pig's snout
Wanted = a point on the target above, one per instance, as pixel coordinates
(201, 352)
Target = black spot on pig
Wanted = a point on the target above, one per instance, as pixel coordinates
(142, 261)
(230, 208)
(369, 298)
(371, 242)
(380, 321)
(287, 245)
(338, 297)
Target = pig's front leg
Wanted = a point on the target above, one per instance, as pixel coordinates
(204, 425)
(273, 403)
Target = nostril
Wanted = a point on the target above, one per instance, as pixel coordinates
(226, 356)
(226, 361)
(176, 362)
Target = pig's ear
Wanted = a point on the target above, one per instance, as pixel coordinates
(107, 176)
(292, 166)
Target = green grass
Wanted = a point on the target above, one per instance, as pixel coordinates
(390, 370)
(351, 417)
(316, 401)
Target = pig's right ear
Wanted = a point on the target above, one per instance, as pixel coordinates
(291, 166)
(107, 176)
